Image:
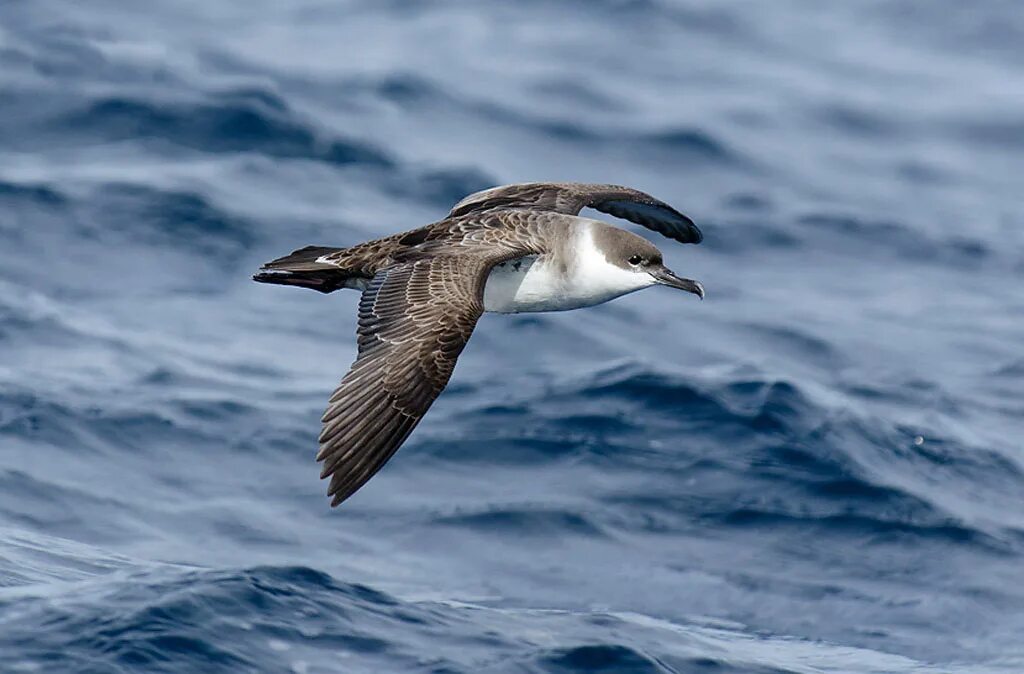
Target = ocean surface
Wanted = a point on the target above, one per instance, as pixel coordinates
(820, 468)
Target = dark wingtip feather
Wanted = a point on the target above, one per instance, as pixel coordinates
(687, 230)
(696, 236)
(655, 215)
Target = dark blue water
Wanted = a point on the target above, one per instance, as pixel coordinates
(818, 469)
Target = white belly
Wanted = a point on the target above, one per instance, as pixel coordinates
(535, 284)
(543, 284)
(526, 284)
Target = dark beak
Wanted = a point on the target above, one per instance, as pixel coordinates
(666, 277)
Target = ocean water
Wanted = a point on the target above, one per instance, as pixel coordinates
(820, 468)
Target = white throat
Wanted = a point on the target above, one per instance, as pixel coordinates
(545, 283)
(598, 279)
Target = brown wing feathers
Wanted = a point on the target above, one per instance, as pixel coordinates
(414, 320)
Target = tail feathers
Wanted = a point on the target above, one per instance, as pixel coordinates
(301, 268)
(303, 259)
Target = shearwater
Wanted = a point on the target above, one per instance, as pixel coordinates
(507, 249)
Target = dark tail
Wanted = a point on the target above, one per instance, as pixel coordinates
(302, 269)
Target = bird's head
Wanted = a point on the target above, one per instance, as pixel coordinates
(636, 255)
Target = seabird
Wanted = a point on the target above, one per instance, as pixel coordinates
(507, 250)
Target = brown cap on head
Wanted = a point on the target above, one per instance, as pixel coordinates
(625, 249)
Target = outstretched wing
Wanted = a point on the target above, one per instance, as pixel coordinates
(415, 317)
(571, 198)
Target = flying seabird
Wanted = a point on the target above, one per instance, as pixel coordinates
(507, 250)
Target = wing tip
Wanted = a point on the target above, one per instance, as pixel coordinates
(335, 491)
(695, 234)
(687, 229)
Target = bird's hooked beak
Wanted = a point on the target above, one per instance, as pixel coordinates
(667, 277)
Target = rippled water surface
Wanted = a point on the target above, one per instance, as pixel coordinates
(818, 469)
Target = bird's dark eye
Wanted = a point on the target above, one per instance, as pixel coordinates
(635, 260)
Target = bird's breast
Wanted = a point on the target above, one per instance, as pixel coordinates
(526, 284)
(538, 283)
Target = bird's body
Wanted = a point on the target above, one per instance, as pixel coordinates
(574, 273)
(509, 249)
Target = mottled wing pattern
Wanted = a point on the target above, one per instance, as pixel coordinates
(571, 198)
(495, 234)
(414, 320)
(364, 259)
(558, 197)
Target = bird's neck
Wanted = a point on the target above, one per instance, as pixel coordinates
(594, 275)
